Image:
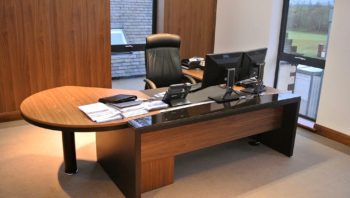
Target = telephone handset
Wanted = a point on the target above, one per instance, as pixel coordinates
(176, 94)
(192, 63)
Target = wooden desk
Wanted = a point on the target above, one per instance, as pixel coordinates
(141, 158)
(57, 109)
(194, 73)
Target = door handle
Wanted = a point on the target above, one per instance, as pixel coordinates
(129, 46)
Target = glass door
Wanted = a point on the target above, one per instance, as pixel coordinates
(303, 50)
(131, 22)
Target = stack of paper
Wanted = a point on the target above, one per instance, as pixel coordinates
(155, 105)
(100, 112)
(133, 111)
(142, 108)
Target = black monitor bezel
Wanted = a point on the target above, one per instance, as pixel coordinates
(215, 73)
(248, 62)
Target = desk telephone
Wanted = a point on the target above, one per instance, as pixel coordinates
(176, 94)
(192, 63)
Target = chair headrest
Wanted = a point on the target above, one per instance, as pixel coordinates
(162, 40)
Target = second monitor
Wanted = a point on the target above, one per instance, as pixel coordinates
(220, 69)
(216, 66)
(246, 64)
(251, 64)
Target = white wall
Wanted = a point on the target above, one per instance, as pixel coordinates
(249, 24)
(334, 108)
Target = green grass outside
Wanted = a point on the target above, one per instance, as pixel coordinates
(307, 42)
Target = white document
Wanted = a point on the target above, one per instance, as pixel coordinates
(155, 105)
(135, 112)
(99, 112)
(132, 108)
(131, 111)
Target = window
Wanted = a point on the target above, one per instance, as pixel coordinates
(303, 50)
(117, 37)
(131, 22)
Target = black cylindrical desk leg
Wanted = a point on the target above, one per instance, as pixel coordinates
(70, 161)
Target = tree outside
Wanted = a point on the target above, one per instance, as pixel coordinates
(307, 27)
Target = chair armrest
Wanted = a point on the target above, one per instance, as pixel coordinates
(189, 78)
(149, 84)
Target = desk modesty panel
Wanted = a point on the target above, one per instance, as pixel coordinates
(141, 157)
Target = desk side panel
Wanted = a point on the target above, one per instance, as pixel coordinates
(118, 152)
(173, 141)
(157, 173)
(283, 138)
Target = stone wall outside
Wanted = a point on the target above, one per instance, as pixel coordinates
(134, 17)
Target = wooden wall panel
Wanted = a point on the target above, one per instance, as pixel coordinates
(50, 43)
(194, 21)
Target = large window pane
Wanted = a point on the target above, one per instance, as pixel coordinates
(308, 81)
(307, 27)
(131, 22)
(304, 81)
(303, 49)
(133, 17)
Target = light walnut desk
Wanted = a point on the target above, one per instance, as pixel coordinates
(141, 158)
(57, 109)
(194, 73)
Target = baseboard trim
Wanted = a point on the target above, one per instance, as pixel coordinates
(10, 116)
(332, 134)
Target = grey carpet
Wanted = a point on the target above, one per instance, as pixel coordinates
(31, 166)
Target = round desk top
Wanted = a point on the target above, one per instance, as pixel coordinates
(57, 108)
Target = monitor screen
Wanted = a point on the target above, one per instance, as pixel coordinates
(250, 63)
(216, 66)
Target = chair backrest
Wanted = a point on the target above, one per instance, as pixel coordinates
(162, 56)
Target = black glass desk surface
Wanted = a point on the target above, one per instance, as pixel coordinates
(202, 108)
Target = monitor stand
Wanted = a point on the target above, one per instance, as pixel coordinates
(230, 94)
(227, 97)
(259, 86)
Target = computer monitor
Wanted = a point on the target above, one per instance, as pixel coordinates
(217, 65)
(253, 66)
(252, 61)
(220, 69)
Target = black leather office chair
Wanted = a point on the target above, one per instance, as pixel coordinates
(163, 66)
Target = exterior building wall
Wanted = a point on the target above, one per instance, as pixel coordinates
(134, 17)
